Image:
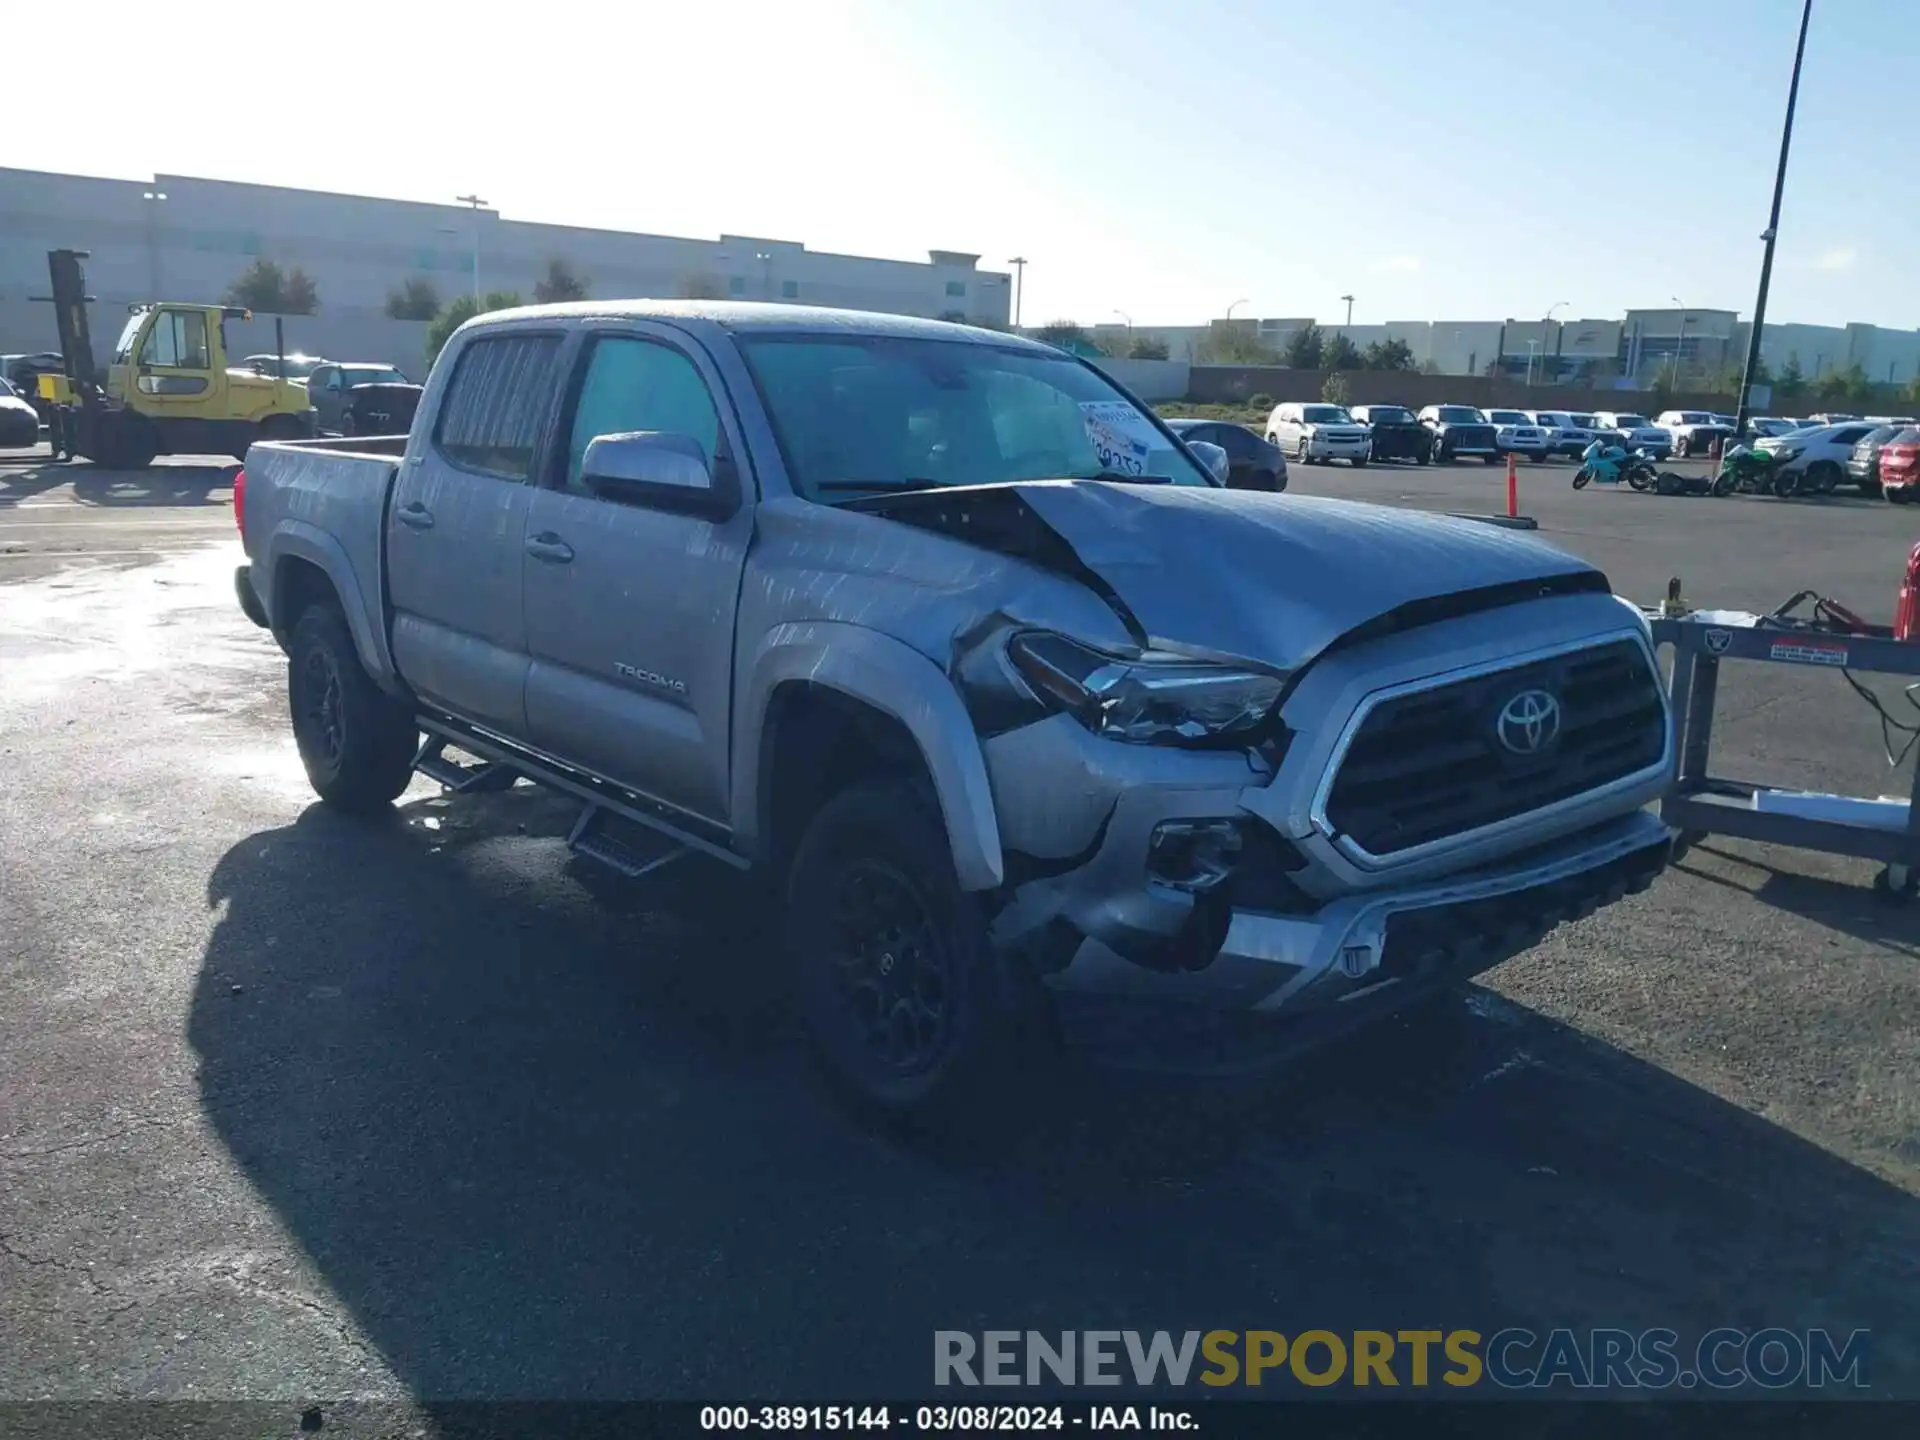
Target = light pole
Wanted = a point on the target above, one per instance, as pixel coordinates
(150, 202)
(1230, 310)
(1773, 228)
(1129, 319)
(1680, 345)
(1019, 264)
(475, 202)
(1533, 349)
(1349, 325)
(766, 272)
(1546, 322)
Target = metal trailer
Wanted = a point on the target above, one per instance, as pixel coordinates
(1702, 804)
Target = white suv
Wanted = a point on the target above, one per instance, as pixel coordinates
(1567, 433)
(1518, 433)
(1636, 432)
(1693, 431)
(1311, 432)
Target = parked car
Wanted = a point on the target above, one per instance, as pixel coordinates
(1635, 432)
(1252, 463)
(23, 373)
(1863, 465)
(1820, 454)
(1517, 433)
(19, 421)
(331, 383)
(1764, 425)
(1693, 432)
(1832, 418)
(1900, 466)
(1167, 770)
(1458, 430)
(298, 367)
(1310, 432)
(1394, 433)
(1565, 434)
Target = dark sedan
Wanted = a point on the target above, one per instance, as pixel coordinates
(1863, 465)
(1252, 464)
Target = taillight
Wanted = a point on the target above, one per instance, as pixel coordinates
(240, 501)
(1906, 610)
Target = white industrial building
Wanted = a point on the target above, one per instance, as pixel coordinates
(179, 238)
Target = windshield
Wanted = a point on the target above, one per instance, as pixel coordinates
(1508, 417)
(873, 413)
(1630, 422)
(123, 347)
(1583, 422)
(351, 375)
(1460, 414)
(1326, 415)
(1389, 414)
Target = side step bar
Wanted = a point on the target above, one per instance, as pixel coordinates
(503, 764)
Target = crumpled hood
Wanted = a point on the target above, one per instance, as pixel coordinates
(1275, 578)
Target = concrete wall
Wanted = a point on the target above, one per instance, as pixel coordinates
(1153, 380)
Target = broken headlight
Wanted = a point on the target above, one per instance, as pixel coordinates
(1150, 699)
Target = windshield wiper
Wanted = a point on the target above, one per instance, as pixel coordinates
(875, 485)
(1120, 477)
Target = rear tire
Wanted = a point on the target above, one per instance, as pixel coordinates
(1823, 477)
(1490, 459)
(907, 1006)
(356, 741)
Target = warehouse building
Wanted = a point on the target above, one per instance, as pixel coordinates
(180, 238)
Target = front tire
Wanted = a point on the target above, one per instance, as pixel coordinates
(899, 989)
(1360, 462)
(356, 741)
(1582, 476)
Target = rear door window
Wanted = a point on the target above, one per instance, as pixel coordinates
(495, 412)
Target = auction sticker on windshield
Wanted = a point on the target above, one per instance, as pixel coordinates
(1122, 437)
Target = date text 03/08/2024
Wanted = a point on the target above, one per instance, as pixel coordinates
(937, 1419)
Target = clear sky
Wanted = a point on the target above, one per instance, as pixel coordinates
(1466, 159)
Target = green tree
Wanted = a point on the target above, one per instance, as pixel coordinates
(264, 287)
(1303, 348)
(1336, 390)
(1146, 347)
(415, 299)
(461, 311)
(1067, 334)
(1912, 391)
(1792, 383)
(1388, 355)
(1848, 388)
(1233, 345)
(1339, 353)
(560, 283)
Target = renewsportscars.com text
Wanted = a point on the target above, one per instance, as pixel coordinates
(1599, 1359)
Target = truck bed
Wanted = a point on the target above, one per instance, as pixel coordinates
(325, 501)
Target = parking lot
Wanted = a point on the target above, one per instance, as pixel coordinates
(295, 1107)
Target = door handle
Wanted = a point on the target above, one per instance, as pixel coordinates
(415, 515)
(549, 547)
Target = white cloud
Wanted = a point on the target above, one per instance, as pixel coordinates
(1841, 257)
(1398, 264)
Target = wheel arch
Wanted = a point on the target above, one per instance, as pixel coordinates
(830, 702)
(308, 566)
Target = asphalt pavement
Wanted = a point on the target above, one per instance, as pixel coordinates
(297, 1108)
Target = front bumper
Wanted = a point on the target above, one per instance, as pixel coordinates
(1321, 447)
(1537, 446)
(1282, 984)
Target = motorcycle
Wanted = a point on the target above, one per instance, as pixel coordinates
(1604, 464)
(1758, 472)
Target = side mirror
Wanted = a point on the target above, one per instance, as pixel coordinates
(654, 468)
(1211, 456)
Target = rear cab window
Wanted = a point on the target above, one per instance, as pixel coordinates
(493, 417)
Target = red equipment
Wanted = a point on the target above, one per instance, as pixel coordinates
(1906, 611)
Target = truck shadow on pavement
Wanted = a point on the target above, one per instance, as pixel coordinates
(546, 1146)
(161, 485)
(19, 485)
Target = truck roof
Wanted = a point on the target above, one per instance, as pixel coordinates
(758, 317)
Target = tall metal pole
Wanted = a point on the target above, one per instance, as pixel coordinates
(1773, 228)
(1019, 263)
(1349, 325)
(475, 202)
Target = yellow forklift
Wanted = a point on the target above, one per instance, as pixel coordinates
(167, 389)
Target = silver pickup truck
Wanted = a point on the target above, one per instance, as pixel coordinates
(1036, 728)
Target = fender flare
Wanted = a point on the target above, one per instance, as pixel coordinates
(897, 680)
(297, 539)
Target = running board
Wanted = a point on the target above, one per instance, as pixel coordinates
(590, 789)
(594, 837)
(433, 762)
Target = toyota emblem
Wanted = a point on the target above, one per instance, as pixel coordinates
(1529, 722)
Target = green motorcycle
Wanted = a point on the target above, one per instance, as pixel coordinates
(1758, 472)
